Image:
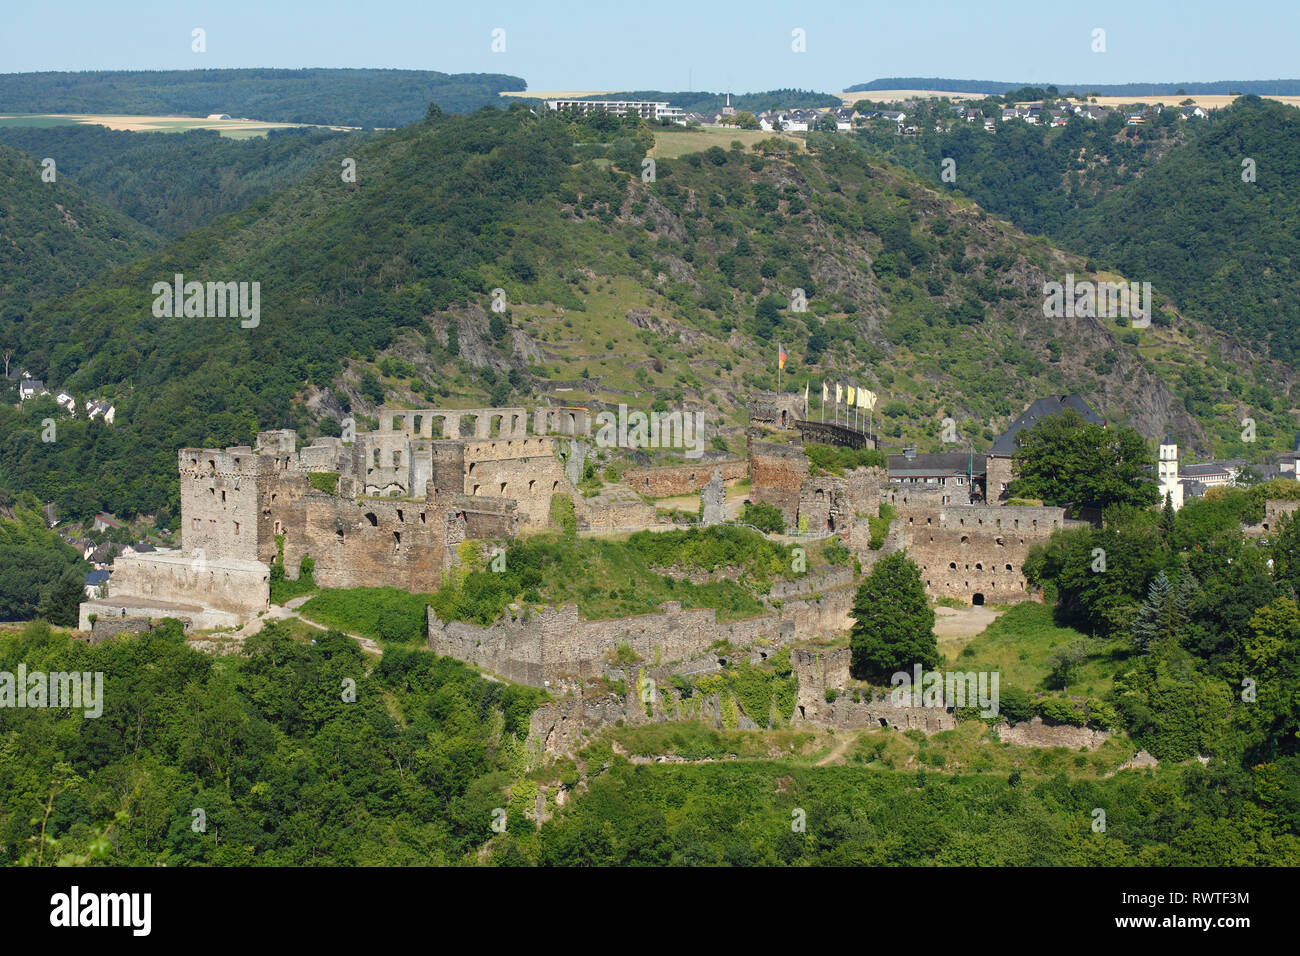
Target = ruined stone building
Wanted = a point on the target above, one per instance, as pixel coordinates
(386, 509)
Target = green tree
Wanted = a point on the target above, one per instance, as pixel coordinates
(61, 601)
(1165, 613)
(1069, 462)
(764, 517)
(893, 622)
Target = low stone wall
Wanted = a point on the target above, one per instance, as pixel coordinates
(128, 608)
(104, 628)
(846, 713)
(812, 583)
(1035, 733)
(681, 479)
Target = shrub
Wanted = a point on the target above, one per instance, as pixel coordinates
(563, 514)
(764, 517)
(326, 481)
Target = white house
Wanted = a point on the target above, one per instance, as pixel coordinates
(844, 118)
(65, 400)
(101, 407)
(30, 388)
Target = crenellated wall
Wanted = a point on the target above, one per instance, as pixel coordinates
(539, 644)
(975, 553)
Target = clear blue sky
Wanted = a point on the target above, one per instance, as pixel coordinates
(666, 44)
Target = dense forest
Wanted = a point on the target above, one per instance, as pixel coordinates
(327, 97)
(56, 237)
(175, 182)
(256, 759)
(40, 576)
(369, 292)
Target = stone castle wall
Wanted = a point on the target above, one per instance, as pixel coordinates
(211, 592)
(682, 479)
(998, 472)
(525, 469)
(975, 553)
(220, 504)
(777, 474)
(831, 503)
(537, 645)
(1274, 510)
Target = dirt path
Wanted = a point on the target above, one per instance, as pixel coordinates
(283, 612)
(951, 624)
(838, 750)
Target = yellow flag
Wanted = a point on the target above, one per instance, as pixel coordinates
(870, 400)
(839, 393)
(851, 400)
(826, 395)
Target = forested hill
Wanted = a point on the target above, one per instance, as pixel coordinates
(1239, 87)
(54, 238)
(1226, 250)
(330, 97)
(174, 182)
(1165, 202)
(675, 290)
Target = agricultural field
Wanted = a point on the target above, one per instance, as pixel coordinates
(675, 143)
(231, 128)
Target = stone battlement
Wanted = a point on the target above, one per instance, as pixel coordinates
(537, 645)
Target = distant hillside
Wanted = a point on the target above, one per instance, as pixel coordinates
(1163, 202)
(174, 182)
(996, 88)
(367, 98)
(1227, 250)
(54, 238)
(33, 560)
(618, 290)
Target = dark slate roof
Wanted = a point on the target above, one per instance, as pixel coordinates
(143, 547)
(96, 578)
(943, 464)
(1005, 446)
(1202, 470)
